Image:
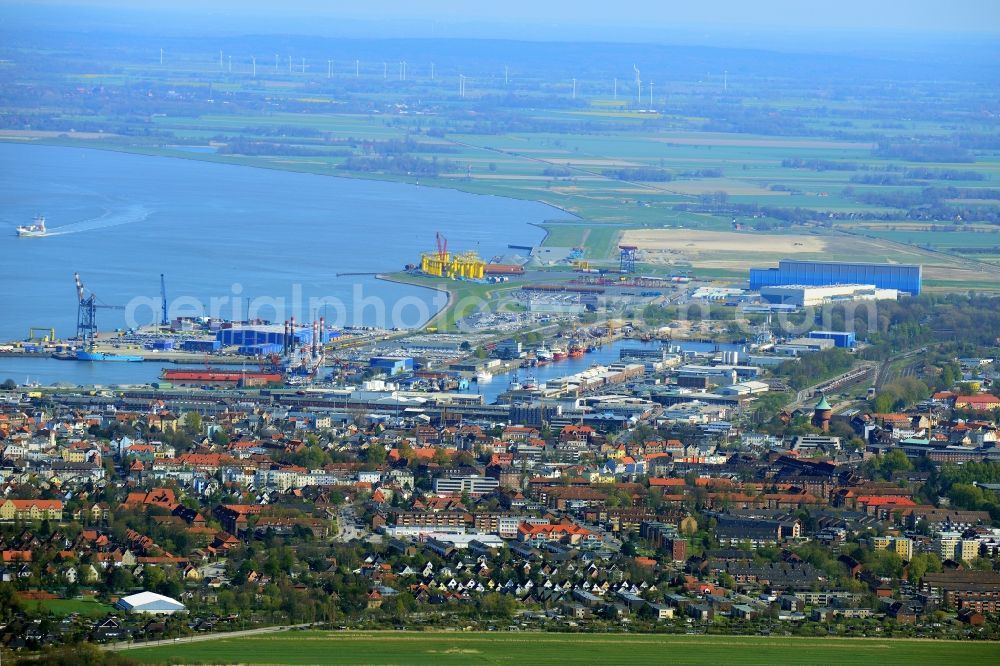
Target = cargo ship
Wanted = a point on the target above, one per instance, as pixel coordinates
(33, 230)
(214, 377)
(82, 355)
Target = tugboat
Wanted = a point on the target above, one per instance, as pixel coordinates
(35, 230)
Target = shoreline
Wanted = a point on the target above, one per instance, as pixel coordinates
(393, 279)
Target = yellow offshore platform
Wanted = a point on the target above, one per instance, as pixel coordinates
(441, 263)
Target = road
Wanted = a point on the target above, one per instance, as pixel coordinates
(214, 636)
(347, 525)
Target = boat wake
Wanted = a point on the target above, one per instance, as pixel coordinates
(115, 218)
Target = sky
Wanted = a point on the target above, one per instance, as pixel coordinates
(507, 17)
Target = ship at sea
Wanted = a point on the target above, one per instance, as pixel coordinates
(35, 230)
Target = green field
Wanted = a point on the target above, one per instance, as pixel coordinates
(83, 605)
(314, 647)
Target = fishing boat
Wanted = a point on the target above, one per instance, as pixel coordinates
(543, 354)
(559, 354)
(576, 349)
(34, 230)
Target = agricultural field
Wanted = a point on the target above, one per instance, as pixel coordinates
(440, 649)
(735, 252)
(766, 153)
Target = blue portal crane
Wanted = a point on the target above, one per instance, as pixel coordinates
(163, 297)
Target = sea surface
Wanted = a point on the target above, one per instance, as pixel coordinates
(226, 237)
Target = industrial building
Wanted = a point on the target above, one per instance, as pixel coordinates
(269, 334)
(391, 365)
(845, 339)
(902, 277)
(797, 346)
(203, 346)
(803, 295)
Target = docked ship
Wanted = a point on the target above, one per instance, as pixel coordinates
(214, 377)
(91, 355)
(576, 349)
(559, 354)
(529, 383)
(484, 377)
(33, 230)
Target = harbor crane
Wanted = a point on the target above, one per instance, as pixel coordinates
(163, 297)
(86, 312)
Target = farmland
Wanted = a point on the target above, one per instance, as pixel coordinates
(761, 154)
(315, 647)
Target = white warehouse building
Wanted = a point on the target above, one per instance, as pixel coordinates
(149, 602)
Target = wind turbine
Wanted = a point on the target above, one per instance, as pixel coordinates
(220, 60)
(725, 80)
(651, 94)
(303, 65)
(253, 60)
(329, 69)
(230, 64)
(161, 56)
(276, 63)
(289, 64)
(432, 71)
(638, 84)
(357, 68)
(574, 88)
(616, 89)
(505, 71)
(385, 70)
(461, 85)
